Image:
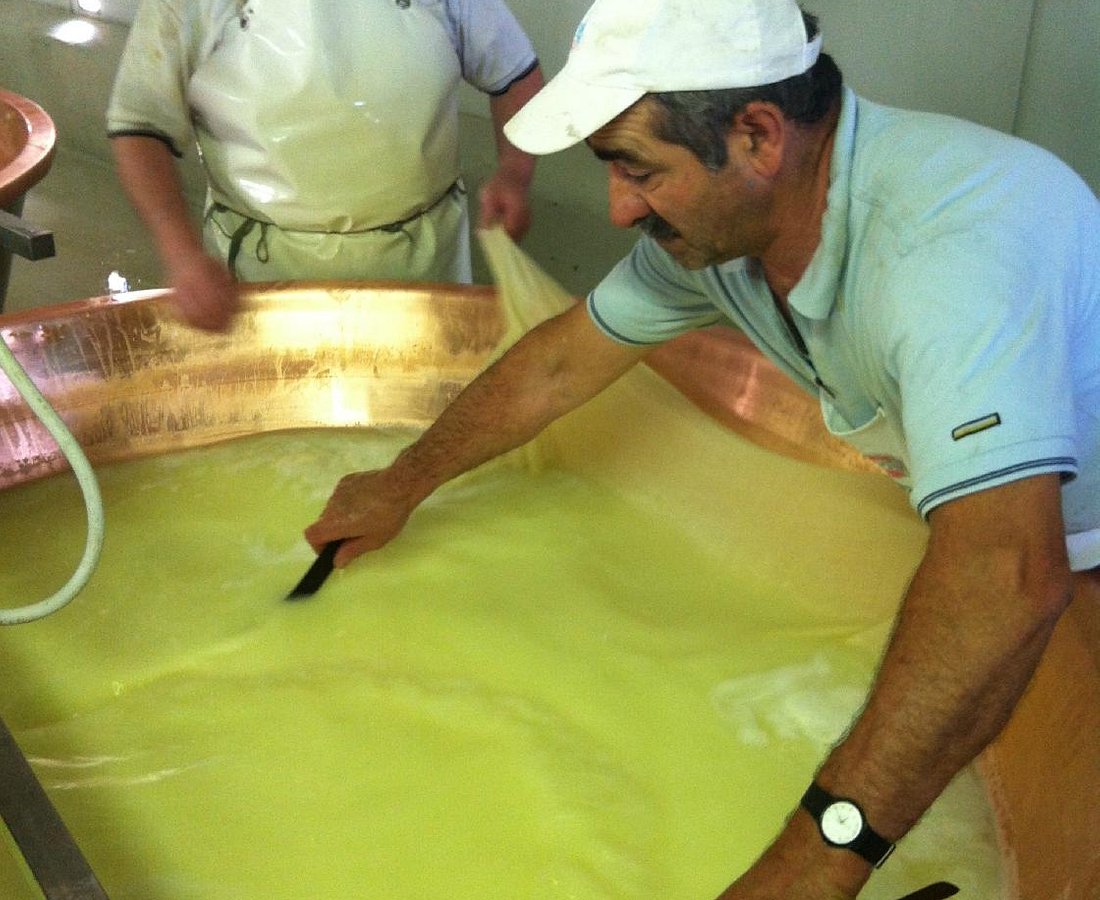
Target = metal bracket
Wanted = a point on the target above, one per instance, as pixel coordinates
(16, 236)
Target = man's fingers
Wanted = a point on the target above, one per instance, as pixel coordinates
(350, 550)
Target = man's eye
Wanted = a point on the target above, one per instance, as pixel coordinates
(633, 173)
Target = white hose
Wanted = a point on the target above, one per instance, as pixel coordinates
(93, 503)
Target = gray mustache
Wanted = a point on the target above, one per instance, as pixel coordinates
(656, 227)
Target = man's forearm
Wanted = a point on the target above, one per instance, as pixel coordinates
(149, 176)
(501, 108)
(968, 638)
(553, 369)
(971, 630)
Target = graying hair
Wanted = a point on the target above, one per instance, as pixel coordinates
(700, 120)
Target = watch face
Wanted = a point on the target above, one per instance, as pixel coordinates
(841, 822)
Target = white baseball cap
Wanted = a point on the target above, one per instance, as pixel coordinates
(624, 49)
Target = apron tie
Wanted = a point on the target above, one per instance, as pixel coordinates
(456, 189)
(237, 236)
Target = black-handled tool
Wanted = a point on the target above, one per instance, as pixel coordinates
(318, 572)
(941, 890)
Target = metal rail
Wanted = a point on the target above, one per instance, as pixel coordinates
(42, 837)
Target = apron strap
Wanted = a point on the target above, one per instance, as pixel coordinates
(237, 236)
(456, 189)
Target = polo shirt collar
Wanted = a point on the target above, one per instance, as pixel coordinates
(815, 294)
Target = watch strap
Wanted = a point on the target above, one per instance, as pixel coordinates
(869, 844)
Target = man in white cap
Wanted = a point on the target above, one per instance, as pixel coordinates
(935, 283)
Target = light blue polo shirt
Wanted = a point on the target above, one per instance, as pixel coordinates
(950, 315)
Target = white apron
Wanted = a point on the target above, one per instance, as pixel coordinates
(329, 133)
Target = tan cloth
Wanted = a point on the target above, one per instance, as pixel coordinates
(528, 295)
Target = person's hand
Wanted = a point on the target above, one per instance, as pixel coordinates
(504, 202)
(205, 293)
(761, 884)
(800, 866)
(365, 510)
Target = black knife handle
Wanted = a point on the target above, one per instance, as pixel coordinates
(318, 572)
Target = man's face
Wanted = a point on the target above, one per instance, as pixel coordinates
(700, 217)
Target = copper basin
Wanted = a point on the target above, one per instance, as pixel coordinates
(130, 380)
(27, 141)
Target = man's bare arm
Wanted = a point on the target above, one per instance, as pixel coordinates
(206, 294)
(553, 369)
(971, 630)
(504, 197)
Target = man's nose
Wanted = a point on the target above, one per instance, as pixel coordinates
(626, 207)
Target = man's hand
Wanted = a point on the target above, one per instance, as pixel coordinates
(504, 203)
(205, 293)
(365, 510)
(799, 865)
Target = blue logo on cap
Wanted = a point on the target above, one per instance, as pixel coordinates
(578, 34)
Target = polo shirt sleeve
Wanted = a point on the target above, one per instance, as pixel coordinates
(149, 93)
(648, 299)
(981, 358)
(493, 48)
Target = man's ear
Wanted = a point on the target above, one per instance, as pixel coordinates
(758, 134)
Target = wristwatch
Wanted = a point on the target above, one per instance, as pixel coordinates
(842, 824)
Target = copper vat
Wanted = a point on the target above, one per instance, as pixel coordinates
(27, 139)
(130, 380)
